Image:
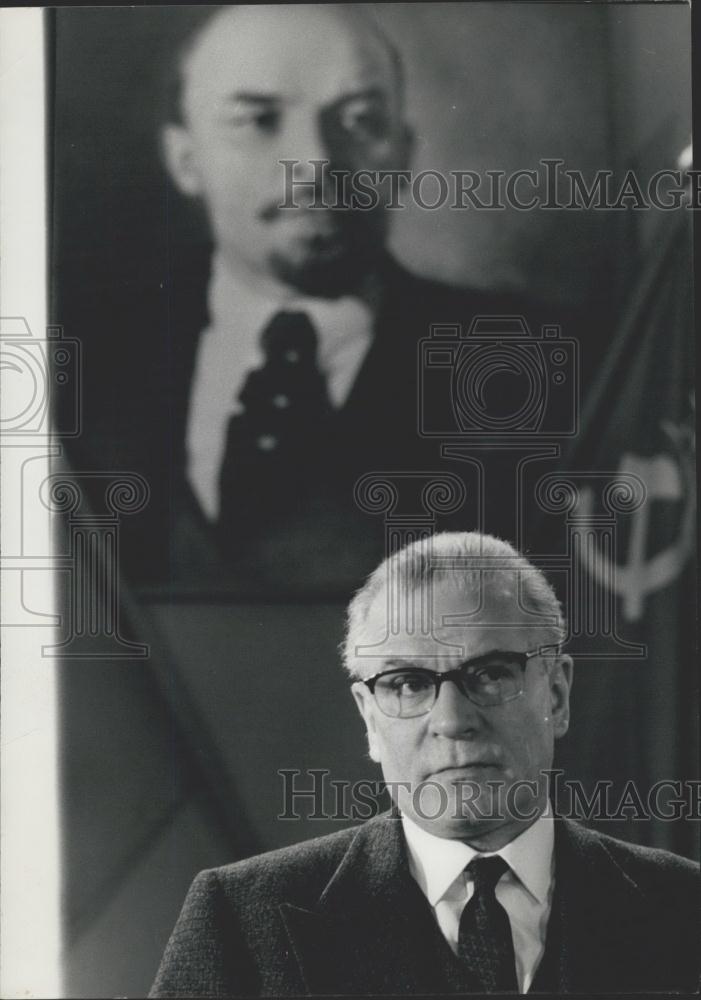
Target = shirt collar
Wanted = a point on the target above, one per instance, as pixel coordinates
(337, 321)
(530, 856)
(436, 862)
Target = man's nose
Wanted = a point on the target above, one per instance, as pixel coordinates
(305, 142)
(453, 714)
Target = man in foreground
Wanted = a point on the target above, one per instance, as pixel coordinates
(471, 884)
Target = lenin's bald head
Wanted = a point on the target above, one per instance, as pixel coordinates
(301, 82)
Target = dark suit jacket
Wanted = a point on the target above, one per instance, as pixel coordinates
(139, 353)
(342, 915)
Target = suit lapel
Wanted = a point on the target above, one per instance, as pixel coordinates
(603, 916)
(187, 320)
(390, 365)
(370, 928)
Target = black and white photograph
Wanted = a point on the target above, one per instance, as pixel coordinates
(349, 545)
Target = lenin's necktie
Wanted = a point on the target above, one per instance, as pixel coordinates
(484, 940)
(274, 446)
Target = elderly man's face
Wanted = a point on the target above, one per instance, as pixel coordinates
(295, 82)
(467, 757)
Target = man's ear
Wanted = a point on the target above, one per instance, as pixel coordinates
(178, 156)
(365, 702)
(561, 676)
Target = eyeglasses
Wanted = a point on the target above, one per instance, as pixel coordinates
(492, 679)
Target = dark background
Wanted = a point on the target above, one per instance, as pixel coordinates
(170, 764)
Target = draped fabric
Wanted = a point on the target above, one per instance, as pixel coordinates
(633, 462)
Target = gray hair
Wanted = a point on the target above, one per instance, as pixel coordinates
(472, 561)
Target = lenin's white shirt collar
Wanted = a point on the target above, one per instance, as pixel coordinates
(230, 348)
(239, 312)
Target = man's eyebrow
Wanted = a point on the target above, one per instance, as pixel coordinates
(251, 97)
(401, 663)
(260, 98)
(365, 93)
(397, 662)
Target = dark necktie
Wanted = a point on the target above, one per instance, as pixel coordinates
(274, 444)
(484, 940)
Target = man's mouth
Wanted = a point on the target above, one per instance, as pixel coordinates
(466, 769)
(301, 215)
(321, 233)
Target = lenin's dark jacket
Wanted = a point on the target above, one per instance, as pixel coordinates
(138, 359)
(342, 915)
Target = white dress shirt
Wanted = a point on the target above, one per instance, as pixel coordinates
(230, 348)
(525, 891)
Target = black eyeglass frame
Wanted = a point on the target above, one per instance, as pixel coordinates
(456, 675)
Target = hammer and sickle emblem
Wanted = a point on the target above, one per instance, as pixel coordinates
(665, 479)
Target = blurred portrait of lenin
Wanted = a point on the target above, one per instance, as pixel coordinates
(269, 380)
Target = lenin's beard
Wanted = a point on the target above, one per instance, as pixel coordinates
(334, 262)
